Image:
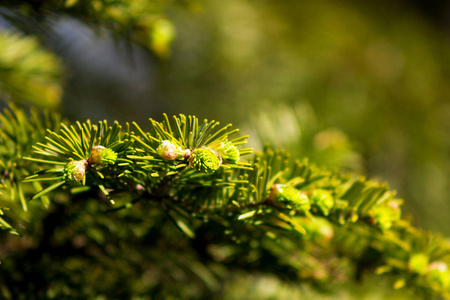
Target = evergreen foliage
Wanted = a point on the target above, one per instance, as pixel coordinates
(269, 209)
(18, 133)
(107, 211)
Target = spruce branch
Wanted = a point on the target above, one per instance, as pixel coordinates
(84, 150)
(288, 204)
(18, 132)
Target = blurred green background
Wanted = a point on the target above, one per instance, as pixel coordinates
(356, 85)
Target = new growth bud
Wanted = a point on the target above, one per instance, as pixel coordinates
(75, 171)
(169, 151)
(283, 194)
(418, 263)
(205, 160)
(323, 200)
(438, 273)
(102, 155)
(386, 215)
(229, 152)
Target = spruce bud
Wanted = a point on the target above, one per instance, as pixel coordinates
(418, 263)
(205, 160)
(323, 200)
(438, 273)
(102, 155)
(229, 152)
(169, 151)
(282, 193)
(75, 171)
(386, 215)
